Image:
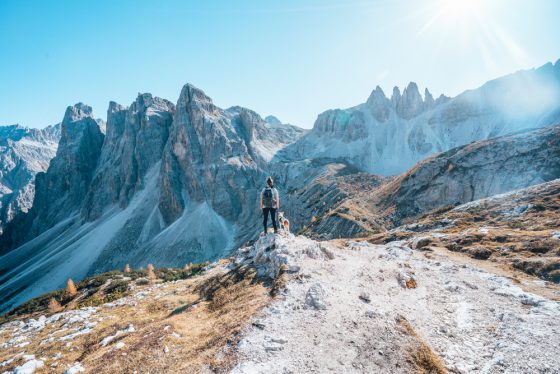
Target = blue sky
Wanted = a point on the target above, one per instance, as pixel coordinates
(293, 59)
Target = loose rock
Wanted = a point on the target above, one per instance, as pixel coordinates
(315, 298)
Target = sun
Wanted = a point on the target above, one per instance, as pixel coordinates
(456, 15)
(461, 13)
(462, 8)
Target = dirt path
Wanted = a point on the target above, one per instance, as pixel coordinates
(346, 314)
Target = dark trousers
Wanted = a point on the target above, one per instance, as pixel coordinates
(272, 217)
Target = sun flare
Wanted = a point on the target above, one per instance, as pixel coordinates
(460, 17)
(462, 8)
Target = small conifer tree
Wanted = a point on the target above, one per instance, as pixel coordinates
(54, 305)
(150, 272)
(71, 289)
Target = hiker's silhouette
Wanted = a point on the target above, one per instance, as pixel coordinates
(270, 202)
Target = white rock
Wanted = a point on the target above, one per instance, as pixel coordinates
(406, 278)
(75, 368)
(29, 367)
(315, 297)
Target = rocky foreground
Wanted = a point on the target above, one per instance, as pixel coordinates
(291, 304)
(359, 307)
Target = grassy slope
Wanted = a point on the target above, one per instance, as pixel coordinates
(182, 322)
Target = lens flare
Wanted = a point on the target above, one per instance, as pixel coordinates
(463, 8)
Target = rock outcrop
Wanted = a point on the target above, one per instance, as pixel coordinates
(460, 175)
(477, 170)
(60, 191)
(273, 120)
(134, 143)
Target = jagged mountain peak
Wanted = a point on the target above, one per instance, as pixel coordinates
(412, 92)
(378, 104)
(388, 139)
(377, 96)
(17, 132)
(411, 104)
(192, 95)
(147, 100)
(23, 153)
(78, 120)
(273, 120)
(114, 107)
(13, 132)
(396, 97)
(77, 112)
(239, 109)
(428, 99)
(412, 89)
(442, 99)
(428, 95)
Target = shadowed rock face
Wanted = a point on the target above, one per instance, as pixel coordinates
(60, 190)
(203, 160)
(23, 153)
(212, 156)
(134, 143)
(218, 157)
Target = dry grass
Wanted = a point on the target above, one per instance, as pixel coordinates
(422, 357)
(280, 281)
(411, 283)
(516, 232)
(196, 319)
(207, 318)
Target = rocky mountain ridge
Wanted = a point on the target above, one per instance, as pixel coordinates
(167, 183)
(388, 136)
(24, 152)
(371, 205)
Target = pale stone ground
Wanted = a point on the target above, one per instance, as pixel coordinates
(475, 321)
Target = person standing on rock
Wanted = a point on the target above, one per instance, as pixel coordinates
(270, 201)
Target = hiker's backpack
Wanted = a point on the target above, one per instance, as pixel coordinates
(269, 198)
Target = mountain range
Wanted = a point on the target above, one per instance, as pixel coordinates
(176, 183)
(24, 152)
(387, 136)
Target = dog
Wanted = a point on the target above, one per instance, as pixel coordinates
(284, 222)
